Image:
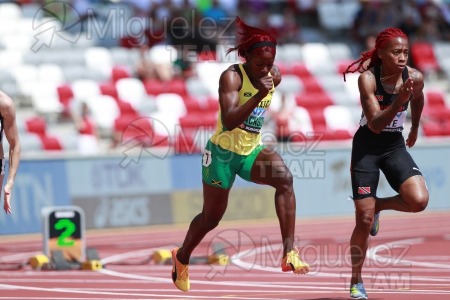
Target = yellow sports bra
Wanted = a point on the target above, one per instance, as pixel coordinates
(244, 138)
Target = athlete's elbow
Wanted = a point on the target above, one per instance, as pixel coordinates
(374, 128)
(377, 131)
(229, 124)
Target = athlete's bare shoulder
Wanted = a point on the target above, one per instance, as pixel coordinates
(231, 76)
(6, 102)
(416, 76)
(368, 74)
(232, 70)
(367, 79)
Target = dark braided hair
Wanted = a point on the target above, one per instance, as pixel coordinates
(382, 39)
(250, 38)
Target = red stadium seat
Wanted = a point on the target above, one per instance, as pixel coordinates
(65, 95)
(127, 109)
(50, 143)
(207, 55)
(156, 87)
(194, 121)
(435, 98)
(432, 129)
(439, 114)
(213, 105)
(130, 128)
(284, 68)
(331, 135)
(109, 89)
(311, 85)
(129, 42)
(193, 106)
(36, 125)
(176, 86)
(300, 70)
(318, 119)
(119, 72)
(342, 66)
(123, 121)
(318, 100)
(446, 128)
(341, 134)
(422, 55)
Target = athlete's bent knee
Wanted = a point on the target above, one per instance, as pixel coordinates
(419, 204)
(364, 221)
(285, 181)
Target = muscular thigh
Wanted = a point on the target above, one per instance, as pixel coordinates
(365, 174)
(269, 168)
(398, 166)
(365, 206)
(218, 166)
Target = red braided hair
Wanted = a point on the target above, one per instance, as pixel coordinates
(382, 39)
(250, 37)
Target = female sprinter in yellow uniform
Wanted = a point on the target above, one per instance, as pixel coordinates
(245, 92)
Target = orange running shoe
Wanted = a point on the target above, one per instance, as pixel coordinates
(292, 262)
(180, 273)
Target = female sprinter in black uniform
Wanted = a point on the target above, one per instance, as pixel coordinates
(386, 89)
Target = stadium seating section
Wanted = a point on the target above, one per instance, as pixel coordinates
(55, 79)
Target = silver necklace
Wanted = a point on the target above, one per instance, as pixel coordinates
(385, 77)
(389, 88)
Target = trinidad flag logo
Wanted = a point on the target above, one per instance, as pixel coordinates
(364, 190)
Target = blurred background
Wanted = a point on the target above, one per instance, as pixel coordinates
(80, 71)
(115, 100)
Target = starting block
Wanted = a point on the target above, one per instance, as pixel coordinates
(37, 262)
(218, 256)
(58, 261)
(198, 260)
(219, 259)
(162, 256)
(93, 265)
(92, 261)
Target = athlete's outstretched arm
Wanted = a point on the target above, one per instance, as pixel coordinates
(8, 112)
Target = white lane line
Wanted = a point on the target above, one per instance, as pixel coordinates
(126, 255)
(51, 298)
(237, 260)
(373, 255)
(18, 257)
(74, 291)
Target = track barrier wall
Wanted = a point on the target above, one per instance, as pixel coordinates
(151, 190)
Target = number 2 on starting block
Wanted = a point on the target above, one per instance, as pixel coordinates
(64, 231)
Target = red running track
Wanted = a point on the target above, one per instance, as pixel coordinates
(409, 259)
